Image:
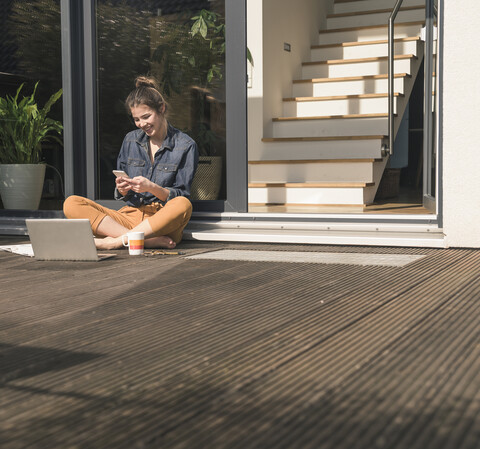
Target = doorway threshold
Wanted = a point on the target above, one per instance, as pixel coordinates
(323, 229)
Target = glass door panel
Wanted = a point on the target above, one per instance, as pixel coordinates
(156, 38)
(30, 53)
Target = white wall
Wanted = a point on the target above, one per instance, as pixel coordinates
(270, 24)
(461, 124)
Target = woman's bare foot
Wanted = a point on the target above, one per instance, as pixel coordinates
(160, 242)
(109, 243)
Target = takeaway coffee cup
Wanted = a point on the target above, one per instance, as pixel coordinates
(135, 242)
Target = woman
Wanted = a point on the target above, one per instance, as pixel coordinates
(160, 162)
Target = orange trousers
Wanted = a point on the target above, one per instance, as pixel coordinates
(169, 219)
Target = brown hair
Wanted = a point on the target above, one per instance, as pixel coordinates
(146, 92)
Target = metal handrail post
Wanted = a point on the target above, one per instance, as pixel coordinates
(391, 75)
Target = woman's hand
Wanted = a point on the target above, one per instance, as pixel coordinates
(140, 184)
(123, 185)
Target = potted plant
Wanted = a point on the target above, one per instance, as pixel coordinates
(23, 128)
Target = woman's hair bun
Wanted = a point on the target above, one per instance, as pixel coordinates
(143, 81)
(146, 92)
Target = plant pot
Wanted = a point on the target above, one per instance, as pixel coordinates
(208, 178)
(21, 185)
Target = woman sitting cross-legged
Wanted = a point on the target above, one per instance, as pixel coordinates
(160, 162)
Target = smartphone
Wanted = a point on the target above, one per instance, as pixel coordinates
(120, 174)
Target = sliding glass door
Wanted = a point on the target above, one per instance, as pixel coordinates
(197, 55)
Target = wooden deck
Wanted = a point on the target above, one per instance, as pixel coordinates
(165, 352)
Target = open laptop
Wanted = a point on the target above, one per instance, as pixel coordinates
(63, 239)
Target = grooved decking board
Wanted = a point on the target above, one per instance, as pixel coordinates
(165, 352)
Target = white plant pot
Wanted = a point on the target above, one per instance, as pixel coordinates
(21, 185)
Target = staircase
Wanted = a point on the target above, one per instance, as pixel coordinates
(328, 147)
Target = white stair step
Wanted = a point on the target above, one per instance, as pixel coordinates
(374, 17)
(347, 147)
(358, 85)
(368, 5)
(341, 105)
(356, 67)
(312, 171)
(355, 50)
(355, 124)
(308, 193)
(369, 33)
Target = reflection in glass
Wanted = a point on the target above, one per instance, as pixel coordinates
(157, 38)
(30, 51)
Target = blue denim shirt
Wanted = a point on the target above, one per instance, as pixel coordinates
(173, 166)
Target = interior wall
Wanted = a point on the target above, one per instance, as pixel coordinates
(271, 24)
(461, 130)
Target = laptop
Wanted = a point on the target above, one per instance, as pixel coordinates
(63, 239)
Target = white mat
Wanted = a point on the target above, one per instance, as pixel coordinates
(387, 260)
(24, 249)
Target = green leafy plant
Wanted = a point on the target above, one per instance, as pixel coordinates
(209, 25)
(206, 24)
(24, 126)
(191, 54)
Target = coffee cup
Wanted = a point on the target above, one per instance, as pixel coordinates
(135, 242)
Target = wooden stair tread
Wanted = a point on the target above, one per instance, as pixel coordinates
(351, 78)
(320, 139)
(315, 161)
(373, 11)
(332, 117)
(360, 43)
(341, 97)
(368, 27)
(310, 185)
(356, 61)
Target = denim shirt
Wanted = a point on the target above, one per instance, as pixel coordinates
(173, 166)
